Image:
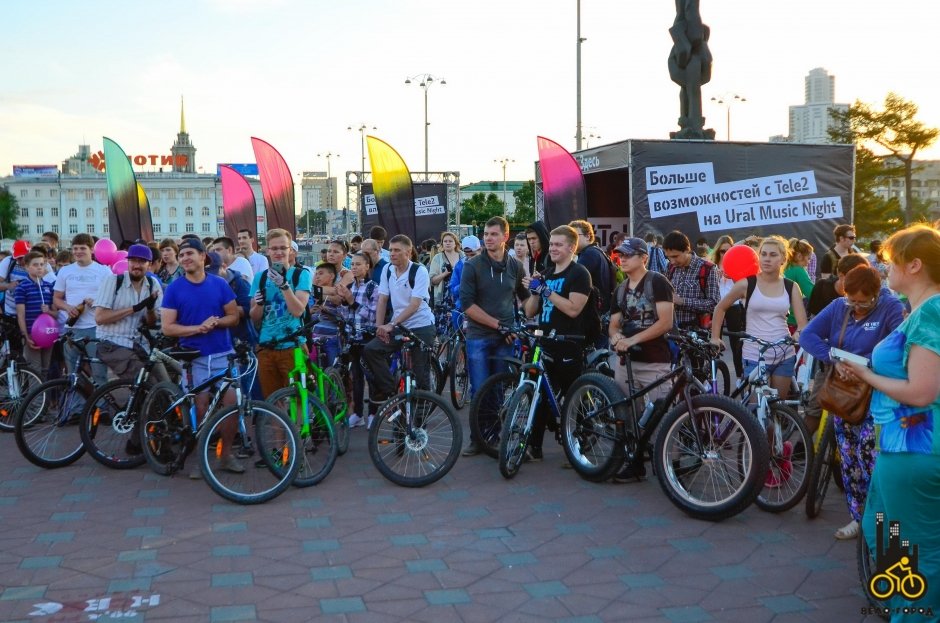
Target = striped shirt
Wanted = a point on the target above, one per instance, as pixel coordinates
(124, 331)
(33, 296)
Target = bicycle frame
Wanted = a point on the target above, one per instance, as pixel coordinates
(535, 367)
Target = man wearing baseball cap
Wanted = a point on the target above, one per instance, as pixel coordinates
(12, 270)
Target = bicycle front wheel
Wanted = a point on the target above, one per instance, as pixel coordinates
(318, 443)
(488, 410)
(226, 465)
(51, 438)
(866, 569)
(820, 473)
(457, 370)
(15, 385)
(164, 431)
(791, 454)
(515, 434)
(710, 463)
(338, 404)
(423, 452)
(590, 426)
(109, 424)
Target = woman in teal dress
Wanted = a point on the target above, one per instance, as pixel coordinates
(905, 485)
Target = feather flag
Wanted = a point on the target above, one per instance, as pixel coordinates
(394, 192)
(146, 223)
(124, 221)
(277, 186)
(565, 199)
(238, 203)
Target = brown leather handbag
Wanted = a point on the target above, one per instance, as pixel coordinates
(849, 399)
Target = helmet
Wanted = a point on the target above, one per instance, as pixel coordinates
(20, 249)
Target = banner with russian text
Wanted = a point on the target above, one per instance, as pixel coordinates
(430, 208)
(277, 187)
(394, 192)
(124, 221)
(706, 189)
(564, 199)
(238, 203)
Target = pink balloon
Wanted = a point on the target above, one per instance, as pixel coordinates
(105, 250)
(118, 256)
(740, 262)
(119, 267)
(45, 331)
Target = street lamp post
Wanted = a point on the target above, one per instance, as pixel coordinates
(578, 133)
(329, 186)
(727, 100)
(426, 80)
(503, 162)
(362, 167)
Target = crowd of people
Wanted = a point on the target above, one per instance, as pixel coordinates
(883, 306)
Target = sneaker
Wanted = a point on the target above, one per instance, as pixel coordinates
(848, 531)
(566, 464)
(472, 449)
(533, 454)
(784, 468)
(195, 472)
(132, 447)
(371, 419)
(355, 421)
(231, 464)
(630, 473)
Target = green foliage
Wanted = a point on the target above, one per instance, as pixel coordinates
(525, 203)
(890, 137)
(480, 207)
(318, 223)
(9, 210)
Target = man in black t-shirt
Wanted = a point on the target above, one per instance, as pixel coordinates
(844, 239)
(561, 304)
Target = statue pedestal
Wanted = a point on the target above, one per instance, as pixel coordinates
(706, 134)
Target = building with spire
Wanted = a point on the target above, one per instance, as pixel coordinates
(182, 150)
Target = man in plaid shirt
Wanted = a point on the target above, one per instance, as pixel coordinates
(694, 280)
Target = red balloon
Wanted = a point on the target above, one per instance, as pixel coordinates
(45, 331)
(740, 262)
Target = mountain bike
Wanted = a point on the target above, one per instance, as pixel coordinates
(791, 445)
(452, 354)
(710, 455)
(47, 423)
(415, 437)
(18, 378)
(170, 430)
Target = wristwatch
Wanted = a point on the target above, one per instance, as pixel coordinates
(283, 287)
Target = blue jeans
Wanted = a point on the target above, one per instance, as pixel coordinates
(331, 346)
(99, 371)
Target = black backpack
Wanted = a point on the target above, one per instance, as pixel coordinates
(294, 281)
(120, 281)
(412, 273)
(752, 285)
(3, 295)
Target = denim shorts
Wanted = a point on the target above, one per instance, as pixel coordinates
(785, 368)
(207, 366)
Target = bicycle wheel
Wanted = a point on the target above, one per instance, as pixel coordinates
(713, 467)
(457, 371)
(488, 409)
(866, 566)
(165, 434)
(514, 437)
(425, 455)
(109, 424)
(820, 473)
(791, 455)
(275, 439)
(590, 426)
(51, 438)
(318, 444)
(14, 387)
(338, 405)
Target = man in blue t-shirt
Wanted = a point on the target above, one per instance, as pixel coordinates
(200, 309)
(278, 306)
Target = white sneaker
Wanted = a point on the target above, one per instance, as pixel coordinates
(371, 418)
(355, 420)
(848, 531)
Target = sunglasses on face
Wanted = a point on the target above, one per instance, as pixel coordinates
(868, 305)
(849, 237)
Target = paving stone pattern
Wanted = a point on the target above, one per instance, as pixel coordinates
(85, 543)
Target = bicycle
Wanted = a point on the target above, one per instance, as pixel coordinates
(415, 437)
(710, 454)
(312, 418)
(18, 378)
(452, 354)
(170, 430)
(46, 424)
(108, 426)
(791, 445)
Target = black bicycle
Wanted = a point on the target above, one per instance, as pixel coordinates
(710, 455)
(18, 378)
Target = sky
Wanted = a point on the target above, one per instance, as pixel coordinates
(299, 73)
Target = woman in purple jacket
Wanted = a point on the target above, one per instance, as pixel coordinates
(869, 312)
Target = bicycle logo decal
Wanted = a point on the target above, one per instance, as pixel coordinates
(895, 565)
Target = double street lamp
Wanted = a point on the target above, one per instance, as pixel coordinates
(728, 100)
(503, 162)
(362, 167)
(425, 81)
(329, 187)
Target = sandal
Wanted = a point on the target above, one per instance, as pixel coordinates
(848, 531)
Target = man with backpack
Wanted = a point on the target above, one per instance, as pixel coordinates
(599, 265)
(122, 303)
(12, 270)
(489, 285)
(694, 280)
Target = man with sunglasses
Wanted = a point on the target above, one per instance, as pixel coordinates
(845, 239)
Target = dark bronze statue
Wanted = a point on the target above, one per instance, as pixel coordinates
(690, 66)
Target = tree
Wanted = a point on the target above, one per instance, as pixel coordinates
(525, 203)
(9, 210)
(481, 207)
(318, 222)
(894, 132)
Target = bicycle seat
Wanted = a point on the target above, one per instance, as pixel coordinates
(181, 353)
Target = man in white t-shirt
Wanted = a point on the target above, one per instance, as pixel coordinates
(246, 246)
(76, 288)
(225, 247)
(406, 288)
